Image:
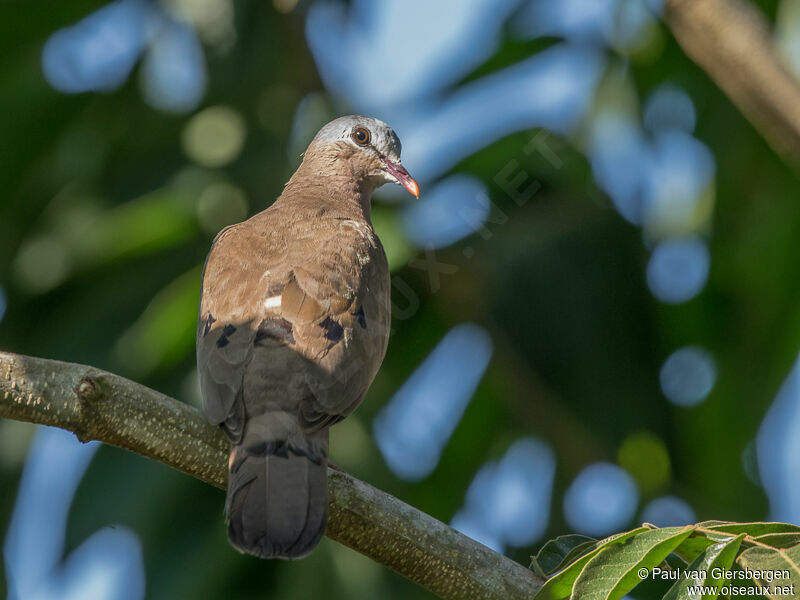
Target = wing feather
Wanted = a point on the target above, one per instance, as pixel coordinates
(320, 273)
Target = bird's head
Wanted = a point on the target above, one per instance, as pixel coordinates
(369, 148)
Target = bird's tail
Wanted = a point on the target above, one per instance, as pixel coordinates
(277, 503)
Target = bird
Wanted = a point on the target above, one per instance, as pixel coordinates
(293, 325)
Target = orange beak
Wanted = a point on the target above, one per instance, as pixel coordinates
(399, 172)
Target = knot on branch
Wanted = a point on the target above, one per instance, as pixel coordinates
(88, 389)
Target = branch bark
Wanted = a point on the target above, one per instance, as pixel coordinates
(97, 405)
(732, 42)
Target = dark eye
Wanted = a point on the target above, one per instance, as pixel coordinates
(361, 136)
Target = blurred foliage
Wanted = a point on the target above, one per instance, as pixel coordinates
(107, 217)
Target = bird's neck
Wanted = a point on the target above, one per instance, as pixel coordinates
(333, 186)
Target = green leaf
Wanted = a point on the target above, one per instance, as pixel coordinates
(754, 529)
(579, 551)
(615, 571)
(560, 585)
(713, 523)
(779, 540)
(765, 565)
(698, 542)
(561, 551)
(719, 555)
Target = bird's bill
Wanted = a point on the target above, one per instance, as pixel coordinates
(402, 177)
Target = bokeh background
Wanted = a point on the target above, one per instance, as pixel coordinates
(596, 299)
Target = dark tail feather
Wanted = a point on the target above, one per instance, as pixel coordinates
(277, 504)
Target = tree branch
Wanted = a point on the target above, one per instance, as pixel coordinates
(97, 405)
(731, 41)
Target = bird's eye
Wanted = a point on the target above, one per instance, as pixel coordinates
(361, 136)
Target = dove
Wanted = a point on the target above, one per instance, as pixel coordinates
(293, 325)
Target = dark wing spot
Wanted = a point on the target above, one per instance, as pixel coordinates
(227, 331)
(360, 317)
(333, 331)
(274, 290)
(210, 320)
(277, 329)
